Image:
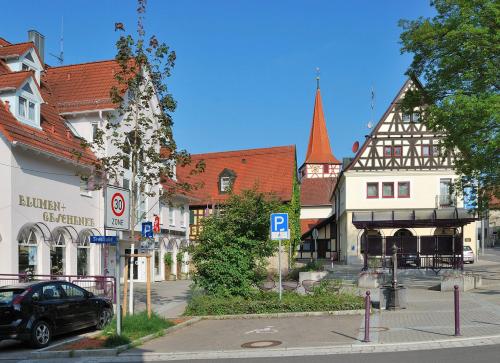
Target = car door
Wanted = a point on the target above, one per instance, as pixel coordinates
(53, 306)
(81, 305)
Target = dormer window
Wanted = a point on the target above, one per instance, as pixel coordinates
(27, 109)
(25, 67)
(226, 180)
(225, 183)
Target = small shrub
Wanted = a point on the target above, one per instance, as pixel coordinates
(116, 340)
(268, 302)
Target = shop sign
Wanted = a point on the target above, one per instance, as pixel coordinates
(117, 208)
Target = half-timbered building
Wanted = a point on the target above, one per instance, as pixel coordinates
(398, 189)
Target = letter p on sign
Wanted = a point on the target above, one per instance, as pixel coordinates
(279, 226)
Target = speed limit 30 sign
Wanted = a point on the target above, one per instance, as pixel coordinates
(117, 208)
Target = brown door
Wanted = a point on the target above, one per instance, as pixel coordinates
(322, 246)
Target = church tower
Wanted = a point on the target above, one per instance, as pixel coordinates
(320, 161)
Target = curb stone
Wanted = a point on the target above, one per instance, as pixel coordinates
(46, 353)
(283, 315)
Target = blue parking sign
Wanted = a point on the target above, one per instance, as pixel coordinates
(279, 226)
(147, 229)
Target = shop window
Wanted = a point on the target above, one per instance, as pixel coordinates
(372, 190)
(28, 252)
(388, 190)
(403, 189)
(57, 255)
(83, 257)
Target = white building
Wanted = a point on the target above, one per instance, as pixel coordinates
(47, 212)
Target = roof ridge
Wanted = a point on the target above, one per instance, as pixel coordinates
(14, 44)
(81, 64)
(254, 151)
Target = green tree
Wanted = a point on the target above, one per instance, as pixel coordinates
(138, 136)
(457, 52)
(235, 241)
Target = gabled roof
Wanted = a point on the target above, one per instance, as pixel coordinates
(307, 224)
(14, 80)
(316, 191)
(15, 50)
(83, 87)
(389, 109)
(318, 150)
(271, 170)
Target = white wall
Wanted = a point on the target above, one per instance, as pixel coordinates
(315, 212)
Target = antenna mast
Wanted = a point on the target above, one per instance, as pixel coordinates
(372, 107)
(60, 57)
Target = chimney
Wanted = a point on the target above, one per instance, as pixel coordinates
(39, 40)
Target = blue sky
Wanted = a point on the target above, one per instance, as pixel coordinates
(245, 71)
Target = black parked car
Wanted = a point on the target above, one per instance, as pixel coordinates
(35, 311)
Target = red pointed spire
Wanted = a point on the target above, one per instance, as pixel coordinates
(319, 151)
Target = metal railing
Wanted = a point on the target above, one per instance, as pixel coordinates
(446, 200)
(102, 286)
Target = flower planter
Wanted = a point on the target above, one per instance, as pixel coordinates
(464, 282)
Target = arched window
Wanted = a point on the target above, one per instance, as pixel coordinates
(83, 254)
(403, 232)
(28, 250)
(58, 254)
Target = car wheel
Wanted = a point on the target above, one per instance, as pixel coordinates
(103, 319)
(40, 334)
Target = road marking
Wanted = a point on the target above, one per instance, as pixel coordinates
(267, 330)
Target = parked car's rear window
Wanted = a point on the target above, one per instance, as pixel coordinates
(7, 295)
(467, 248)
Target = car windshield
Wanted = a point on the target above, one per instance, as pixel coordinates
(7, 295)
(467, 248)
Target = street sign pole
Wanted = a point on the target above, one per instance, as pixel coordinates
(117, 282)
(131, 272)
(279, 268)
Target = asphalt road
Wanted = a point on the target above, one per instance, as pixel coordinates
(482, 354)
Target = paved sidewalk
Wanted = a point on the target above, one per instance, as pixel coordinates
(168, 298)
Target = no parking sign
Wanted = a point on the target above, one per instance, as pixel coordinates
(117, 208)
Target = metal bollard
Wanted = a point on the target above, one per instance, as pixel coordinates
(457, 310)
(367, 317)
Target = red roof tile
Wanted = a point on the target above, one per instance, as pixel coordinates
(3, 42)
(316, 191)
(14, 80)
(307, 224)
(83, 87)
(15, 50)
(318, 150)
(270, 169)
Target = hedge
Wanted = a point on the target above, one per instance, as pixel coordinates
(268, 302)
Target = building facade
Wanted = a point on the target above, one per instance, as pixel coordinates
(399, 184)
(48, 211)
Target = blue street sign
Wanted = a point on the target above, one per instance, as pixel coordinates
(147, 229)
(111, 240)
(279, 226)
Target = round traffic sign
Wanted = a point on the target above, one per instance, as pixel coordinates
(117, 204)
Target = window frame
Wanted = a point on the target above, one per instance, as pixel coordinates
(367, 188)
(389, 148)
(409, 190)
(326, 169)
(393, 192)
(225, 187)
(397, 147)
(171, 216)
(428, 147)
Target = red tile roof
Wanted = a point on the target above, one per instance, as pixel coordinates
(319, 151)
(83, 87)
(316, 191)
(54, 137)
(307, 224)
(270, 169)
(15, 50)
(14, 80)
(3, 42)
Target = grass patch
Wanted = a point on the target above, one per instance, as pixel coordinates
(135, 327)
(268, 302)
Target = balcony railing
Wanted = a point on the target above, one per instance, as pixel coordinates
(446, 200)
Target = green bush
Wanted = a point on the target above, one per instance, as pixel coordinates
(167, 258)
(310, 266)
(268, 302)
(135, 327)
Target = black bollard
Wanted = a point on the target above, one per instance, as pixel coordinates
(367, 317)
(457, 311)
